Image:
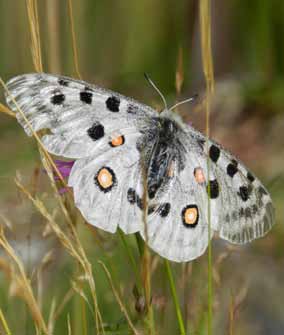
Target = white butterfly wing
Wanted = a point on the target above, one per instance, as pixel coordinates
(101, 186)
(178, 229)
(177, 222)
(248, 212)
(78, 114)
(240, 207)
(98, 128)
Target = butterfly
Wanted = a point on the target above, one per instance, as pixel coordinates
(122, 147)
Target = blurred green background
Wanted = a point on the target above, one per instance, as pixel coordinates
(117, 42)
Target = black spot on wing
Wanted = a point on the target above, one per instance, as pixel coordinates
(232, 169)
(250, 177)
(86, 97)
(131, 196)
(247, 212)
(244, 193)
(57, 99)
(63, 82)
(201, 143)
(96, 131)
(139, 202)
(164, 209)
(112, 104)
(254, 209)
(262, 191)
(235, 215)
(151, 209)
(152, 190)
(132, 109)
(214, 153)
(214, 189)
(241, 212)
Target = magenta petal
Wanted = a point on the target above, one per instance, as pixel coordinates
(60, 163)
(63, 190)
(64, 168)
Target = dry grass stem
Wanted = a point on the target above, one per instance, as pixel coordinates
(207, 62)
(118, 299)
(51, 318)
(77, 288)
(52, 8)
(6, 110)
(74, 248)
(74, 43)
(4, 323)
(146, 259)
(23, 284)
(179, 72)
(67, 297)
(69, 325)
(35, 34)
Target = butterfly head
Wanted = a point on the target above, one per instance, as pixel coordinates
(166, 110)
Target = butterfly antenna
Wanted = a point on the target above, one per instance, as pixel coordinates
(156, 89)
(184, 101)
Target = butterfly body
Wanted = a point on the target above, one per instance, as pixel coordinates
(160, 148)
(117, 142)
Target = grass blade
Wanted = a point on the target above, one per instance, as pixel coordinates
(175, 298)
(4, 323)
(205, 28)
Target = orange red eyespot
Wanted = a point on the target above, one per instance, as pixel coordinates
(199, 175)
(117, 141)
(105, 179)
(190, 216)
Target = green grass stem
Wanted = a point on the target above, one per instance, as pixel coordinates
(175, 298)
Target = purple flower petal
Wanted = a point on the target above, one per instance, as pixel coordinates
(63, 190)
(64, 168)
(60, 163)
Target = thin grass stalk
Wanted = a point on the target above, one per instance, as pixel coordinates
(74, 43)
(51, 318)
(67, 297)
(69, 325)
(81, 252)
(179, 80)
(131, 258)
(231, 316)
(76, 252)
(140, 244)
(53, 20)
(5, 110)
(35, 34)
(175, 298)
(179, 72)
(32, 10)
(36, 52)
(4, 323)
(118, 299)
(84, 318)
(24, 283)
(207, 62)
(146, 259)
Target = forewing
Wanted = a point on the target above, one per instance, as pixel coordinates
(78, 114)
